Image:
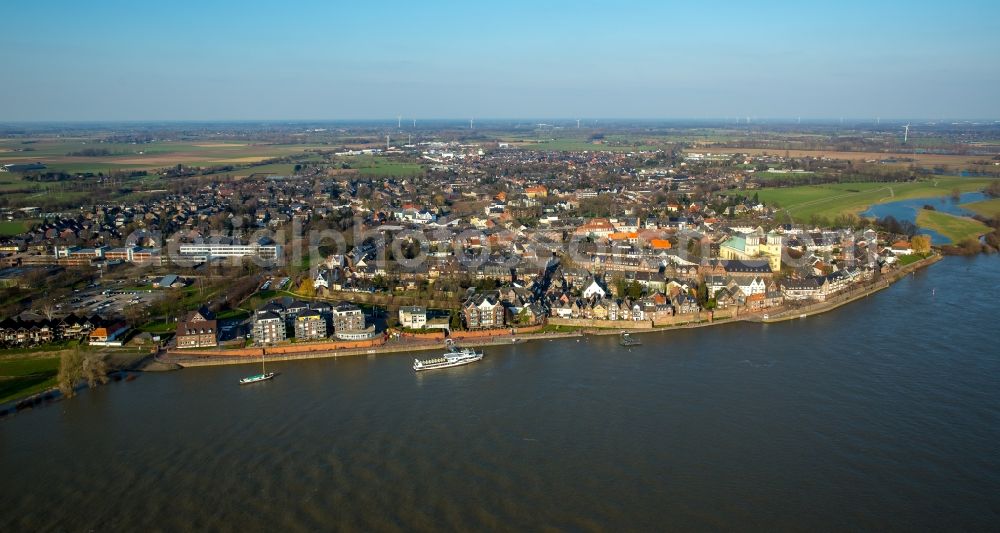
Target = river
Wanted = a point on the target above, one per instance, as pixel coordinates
(908, 209)
(882, 415)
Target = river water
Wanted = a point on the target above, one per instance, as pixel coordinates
(908, 209)
(883, 415)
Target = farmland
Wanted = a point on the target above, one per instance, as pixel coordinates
(582, 145)
(899, 159)
(803, 202)
(55, 154)
(955, 228)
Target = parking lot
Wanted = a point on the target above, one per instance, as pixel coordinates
(108, 299)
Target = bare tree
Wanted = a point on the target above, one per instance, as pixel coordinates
(48, 309)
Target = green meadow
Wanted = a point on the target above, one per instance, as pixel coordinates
(955, 228)
(9, 228)
(381, 166)
(802, 202)
(987, 208)
(26, 376)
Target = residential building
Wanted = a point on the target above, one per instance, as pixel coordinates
(310, 325)
(414, 317)
(483, 311)
(269, 328)
(198, 330)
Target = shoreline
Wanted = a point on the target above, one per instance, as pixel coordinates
(849, 297)
(396, 347)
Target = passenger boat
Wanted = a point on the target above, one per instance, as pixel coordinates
(263, 376)
(453, 357)
(628, 340)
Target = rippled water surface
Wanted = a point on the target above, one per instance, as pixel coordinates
(882, 415)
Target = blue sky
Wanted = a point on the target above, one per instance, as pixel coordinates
(163, 60)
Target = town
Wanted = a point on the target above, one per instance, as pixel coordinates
(356, 246)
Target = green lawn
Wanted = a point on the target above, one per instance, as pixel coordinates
(26, 376)
(14, 227)
(955, 228)
(159, 327)
(987, 208)
(229, 314)
(910, 259)
(830, 200)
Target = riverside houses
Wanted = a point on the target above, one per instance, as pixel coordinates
(483, 311)
(310, 325)
(412, 316)
(198, 330)
(268, 328)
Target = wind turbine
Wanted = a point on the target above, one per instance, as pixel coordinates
(906, 132)
(471, 123)
(399, 121)
(577, 123)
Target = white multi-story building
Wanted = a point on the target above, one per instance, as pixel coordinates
(414, 317)
(207, 252)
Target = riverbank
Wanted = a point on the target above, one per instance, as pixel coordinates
(420, 345)
(388, 348)
(43, 389)
(851, 296)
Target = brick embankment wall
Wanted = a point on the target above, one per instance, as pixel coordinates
(597, 323)
(429, 335)
(482, 333)
(289, 349)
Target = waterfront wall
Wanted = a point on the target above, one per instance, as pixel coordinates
(299, 348)
(427, 335)
(483, 333)
(597, 323)
(852, 294)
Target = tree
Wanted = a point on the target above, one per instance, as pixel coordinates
(49, 309)
(306, 288)
(94, 370)
(702, 295)
(70, 364)
(921, 244)
(75, 365)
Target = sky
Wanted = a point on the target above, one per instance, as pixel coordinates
(242, 60)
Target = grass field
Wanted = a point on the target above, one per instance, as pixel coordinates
(230, 314)
(767, 176)
(381, 166)
(831, 200)
(955, 228)
(26, 376)
(14, 227)
(987, 208)
(910, 259)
